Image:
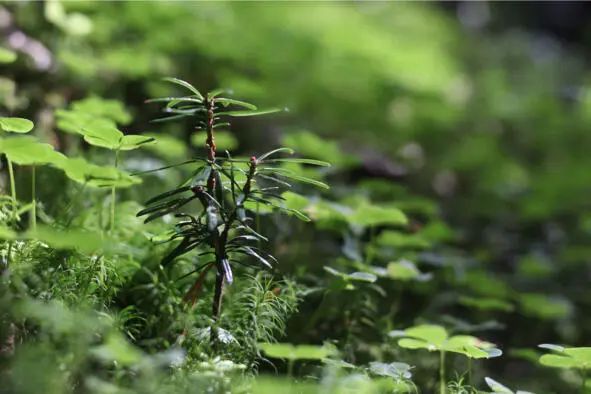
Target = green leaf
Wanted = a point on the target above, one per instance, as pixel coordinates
(67, 239)
(556, 361)
(430, 333)
(16, 125)
(117, 349)
(373, 215)
(299, 178)
(134, 141)
(186, 85)
(291, 352)
(102, 108)
(409, 343)
(355, 276)
(403, 270)
(227, 101)
(582, 354)
(302, 161)
(79, 170)
(7, 56)
(395, 370)
(250, 113)
(272, 152)
(26, 150)
(102, 133)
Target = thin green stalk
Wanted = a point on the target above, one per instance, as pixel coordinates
(470, 372)
(33, 200)
(290, 368)
(583, 388)
(12, 188)
(113, 197)
(442, 372)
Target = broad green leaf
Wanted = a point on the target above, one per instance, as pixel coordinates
(355, 276)
(117, 349)
(102, 133)
(67, 239)
(16, 125)
(102, 108)
(409, 343)
(7, 56)
(486, 304)
(403, 270)
(186, 85)
(429, 333)
(291, 352)
(250, 113)
(556, 361)
(580, 353)
(26, 150)
(394, 370)
(81, 171)
(133, 141)
(224, 140)
(374, 215)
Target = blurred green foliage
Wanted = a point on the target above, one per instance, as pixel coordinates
(459, 194)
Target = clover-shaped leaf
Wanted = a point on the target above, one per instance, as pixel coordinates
(405, 270)
(81, 171)
(369, 215)
(436, 338)
(16, 125)
(574, 357)
(355, 276)
(395, 370)
(27, 150)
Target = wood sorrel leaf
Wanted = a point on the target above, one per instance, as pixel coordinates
(16, 125)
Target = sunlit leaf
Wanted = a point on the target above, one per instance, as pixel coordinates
(67, 239)
(291, 352)
(133, 141)
(374, 215)
(16, 125)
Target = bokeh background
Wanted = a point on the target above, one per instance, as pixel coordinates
(474, 117)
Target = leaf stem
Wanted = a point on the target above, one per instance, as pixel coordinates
(33, 200)
(12, 188)
(113, 197)
(584, 373)
(442, 372)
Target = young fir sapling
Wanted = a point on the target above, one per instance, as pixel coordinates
(224, 187)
